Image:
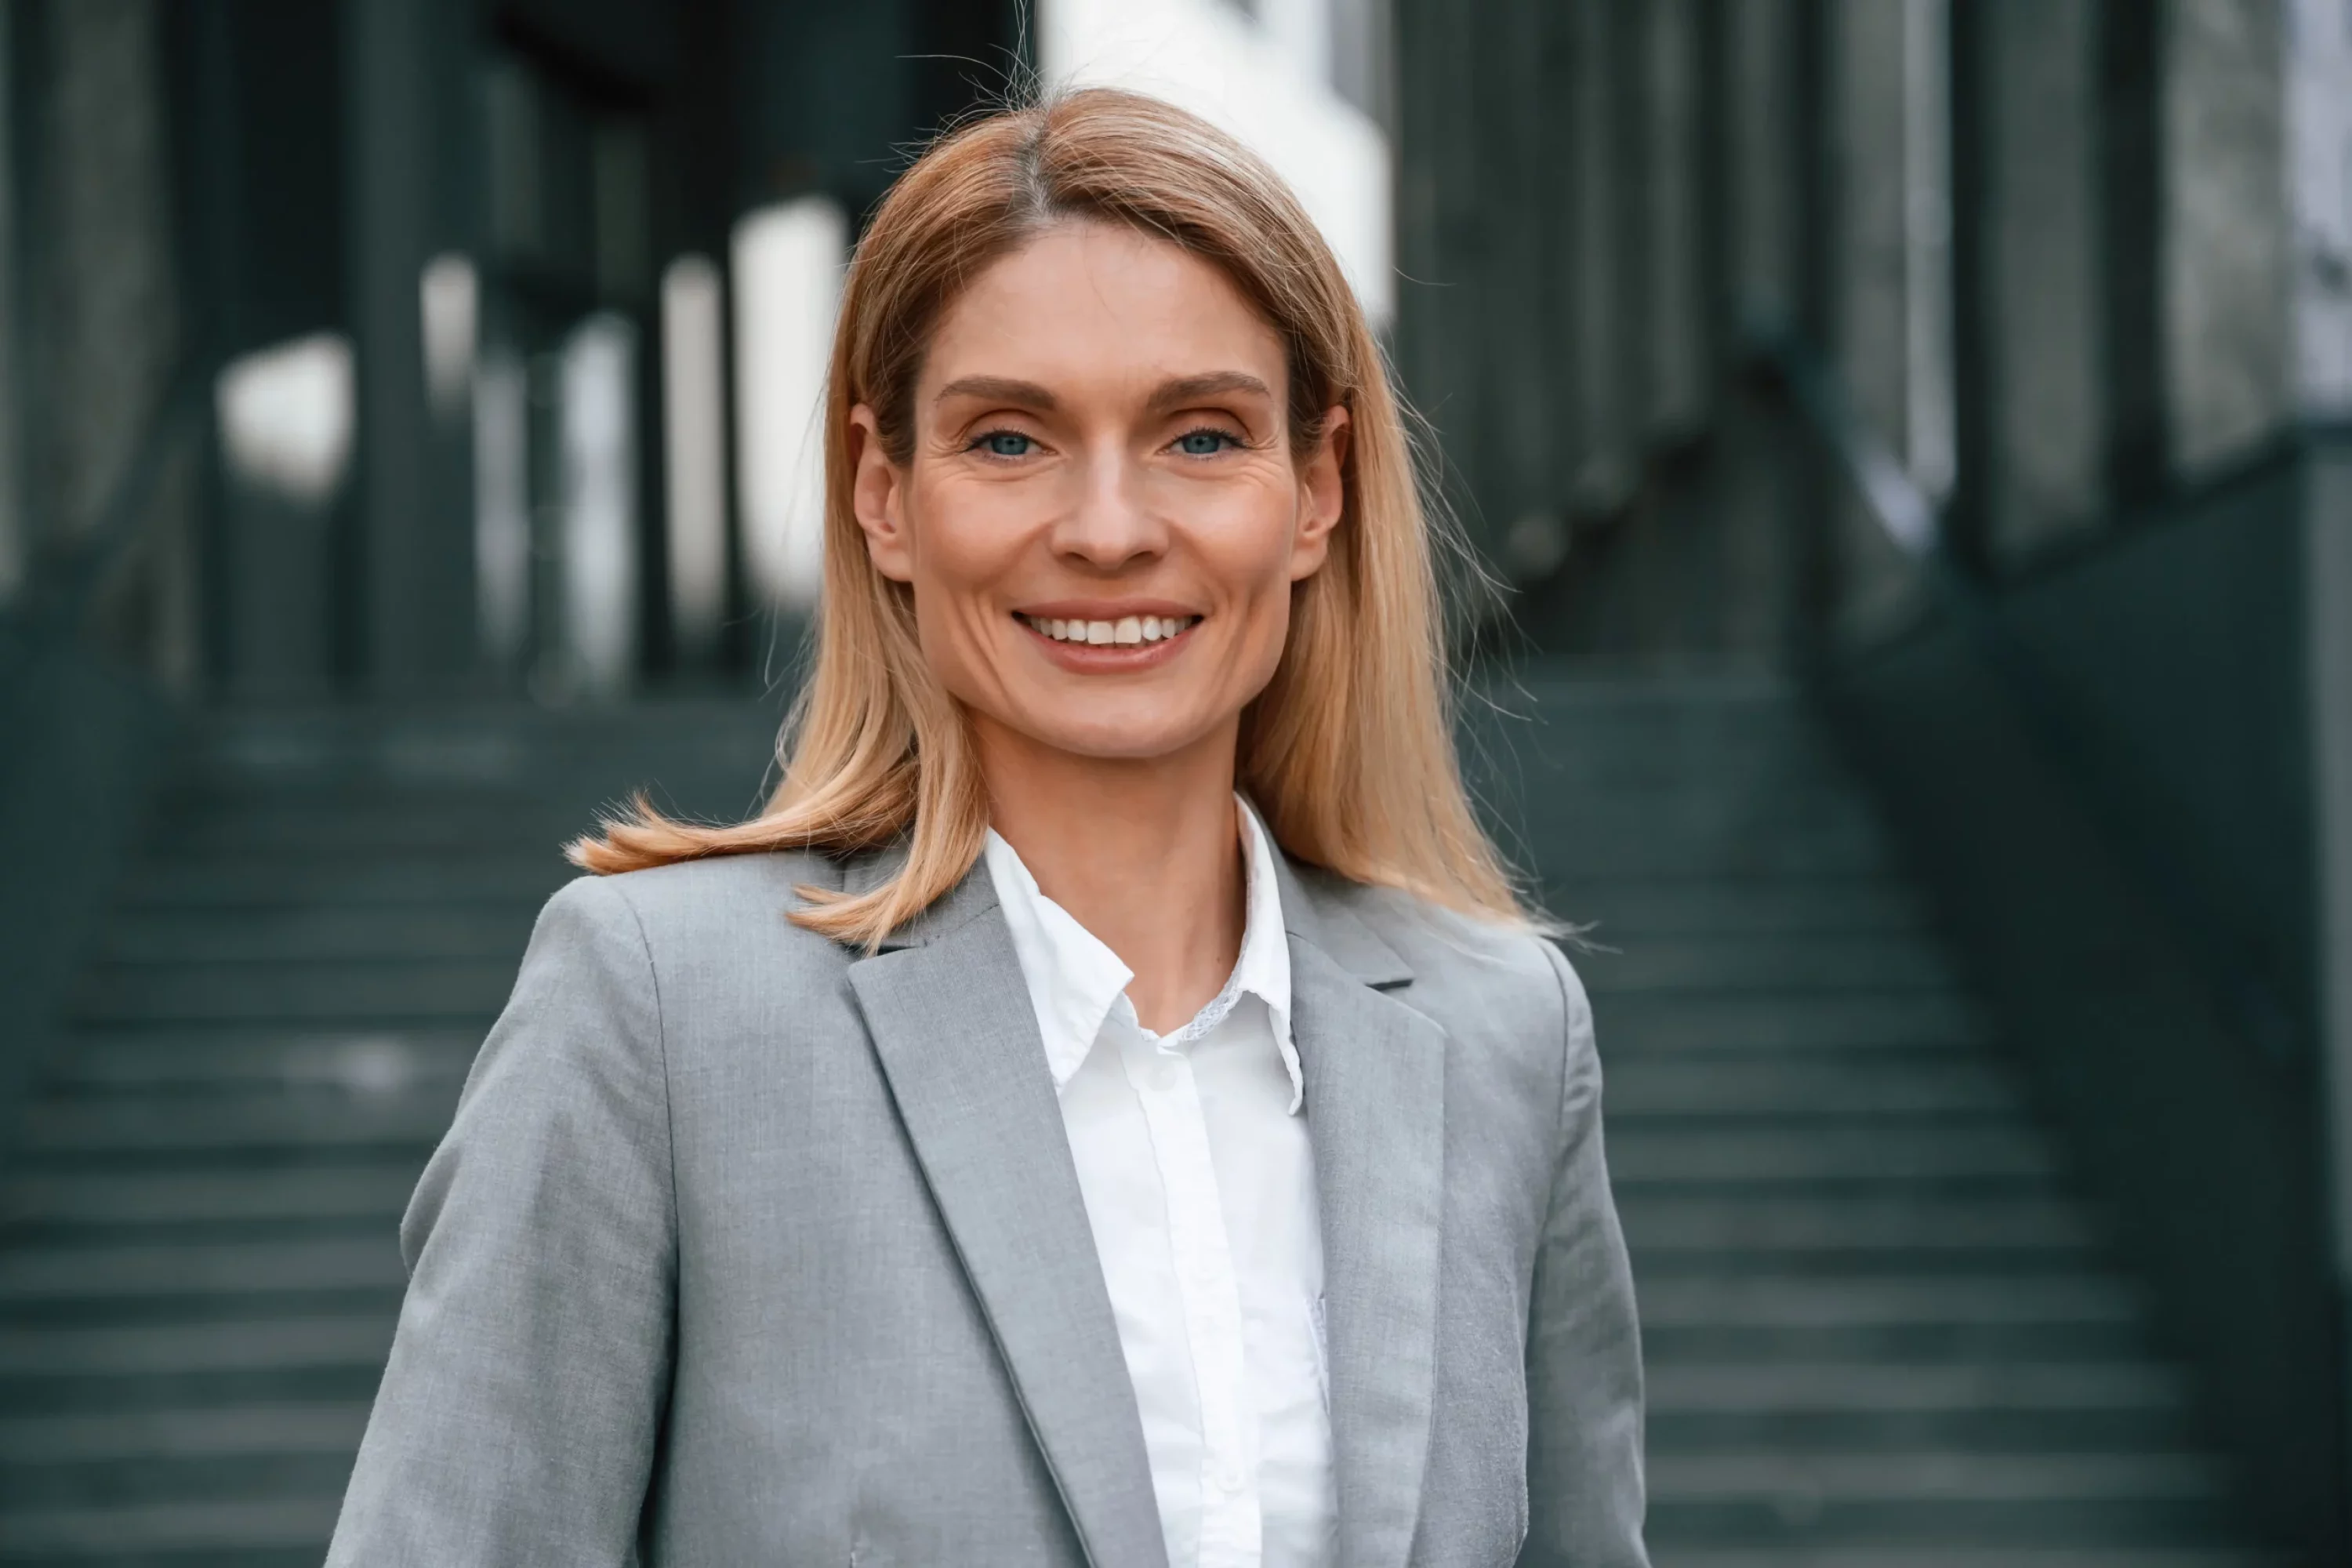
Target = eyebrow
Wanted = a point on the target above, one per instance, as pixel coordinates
(1200, 388)
(1169, 394)
(999, 389)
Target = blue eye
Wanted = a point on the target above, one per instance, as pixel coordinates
(1005, 444)
(1204, 443)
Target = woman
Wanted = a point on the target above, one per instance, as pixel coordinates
(1111, 1108)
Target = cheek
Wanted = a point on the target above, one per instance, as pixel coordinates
(1247, 544)
(965, 542)
(1251, 559)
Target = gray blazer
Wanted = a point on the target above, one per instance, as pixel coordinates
(745, 1248)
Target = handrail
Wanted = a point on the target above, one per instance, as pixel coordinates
(2103, 765)
(1869, 463)
(66, 575)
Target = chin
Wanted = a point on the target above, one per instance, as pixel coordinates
(1142, 740)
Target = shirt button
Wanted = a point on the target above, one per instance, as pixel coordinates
(1229, 1476)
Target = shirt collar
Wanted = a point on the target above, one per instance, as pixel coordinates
(1076, 982)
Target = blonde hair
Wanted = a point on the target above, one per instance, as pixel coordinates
(1348, 752)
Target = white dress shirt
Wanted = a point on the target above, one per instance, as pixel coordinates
(1199, 1183)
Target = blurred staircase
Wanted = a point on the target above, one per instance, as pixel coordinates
(199, 1271)
(1880, 1332)
(1880, 1335)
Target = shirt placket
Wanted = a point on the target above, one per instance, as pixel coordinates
(1209, 1293)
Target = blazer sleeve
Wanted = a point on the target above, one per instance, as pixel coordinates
(517, 1417)
(1585, 1491)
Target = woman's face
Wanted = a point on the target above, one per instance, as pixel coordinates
(1101, 515)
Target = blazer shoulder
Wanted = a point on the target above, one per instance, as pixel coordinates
(1437, 943)
(1468, 966)
(699, 905)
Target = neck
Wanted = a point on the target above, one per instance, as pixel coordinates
(1145, 854)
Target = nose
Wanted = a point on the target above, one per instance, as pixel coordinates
(1112, 525)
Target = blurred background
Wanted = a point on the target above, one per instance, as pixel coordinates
(1913, 442)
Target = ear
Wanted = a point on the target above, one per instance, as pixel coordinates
(878, 495)
(1322, 496)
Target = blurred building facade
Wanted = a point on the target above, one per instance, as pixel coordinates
(1975, 381)
(1985, 365)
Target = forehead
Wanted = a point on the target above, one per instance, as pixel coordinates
(1099, 306)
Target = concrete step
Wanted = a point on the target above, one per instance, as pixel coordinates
(1543, 731)
(35, 1276)
(486, 748)
(1963, 1555)
(1903, 1161)
(1800, 1302)
(246, 810)
(119, 1462)
(335, 934)
(413, 1115)
(224, 883)
(1886, 1407)
(257, 1532)
(1640, 840)
(402, 994)
(1811, 1086)
(393, 828)
(1937, 1498)
(2017, 1342)
(132, 1366)
(1773, 1318)
(1697, 965)
(1777, 1021)
(235, 1345)
(94, 1203)
(28, 1442)
(207, 1059)
(1658, 1226)
(1875, 1388)
(1629, 908)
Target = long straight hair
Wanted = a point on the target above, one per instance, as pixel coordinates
(1347, 754)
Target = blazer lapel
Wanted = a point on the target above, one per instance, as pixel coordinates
(950, 1020)
(1375, 1081)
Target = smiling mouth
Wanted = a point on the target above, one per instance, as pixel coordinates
(1130, 630)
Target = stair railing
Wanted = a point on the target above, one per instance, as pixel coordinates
(2112, 780)
(68, 570)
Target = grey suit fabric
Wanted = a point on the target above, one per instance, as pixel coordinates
(747, 1248)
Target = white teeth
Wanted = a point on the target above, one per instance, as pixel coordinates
(1129, 630)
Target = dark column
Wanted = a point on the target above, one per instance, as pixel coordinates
(16, 537)
(412, 558)
(1976, 455)
(1675, 326)
(1751, 207)
(2328, 621)
(1520, 486)
(1437, 230)
(1599, 156)
(2037, 242)
(1813, 576)
(2131, 247)
(1714, 170)
(1630, 234)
